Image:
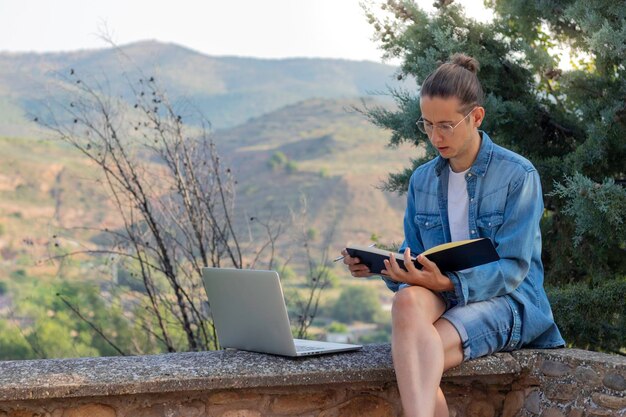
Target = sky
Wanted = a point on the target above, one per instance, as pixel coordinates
(253, 28)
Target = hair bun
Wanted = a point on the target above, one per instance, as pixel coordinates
(465, 61)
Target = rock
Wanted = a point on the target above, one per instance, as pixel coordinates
(575, 412)
(597, 412)
(513, 402)
(480, 409)
(361, 406)
(609, 401)
(561, 391)
(533, 402)
(187, 409)
(299, 403)
(586, 375)
(614, 381)
(90, 410)
(229, 397)
(553, 368)
(241, 413)
(552, 412)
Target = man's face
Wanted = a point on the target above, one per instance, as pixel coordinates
(457, 144)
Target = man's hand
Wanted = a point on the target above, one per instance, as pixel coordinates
(429, 277)
(357, 269)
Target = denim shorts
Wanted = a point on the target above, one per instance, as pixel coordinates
(487, 326)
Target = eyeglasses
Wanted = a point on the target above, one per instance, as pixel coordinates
(445, 129)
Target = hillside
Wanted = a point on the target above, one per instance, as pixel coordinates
(287, 128)
(332, 156)
(227, 90)
(46, 186)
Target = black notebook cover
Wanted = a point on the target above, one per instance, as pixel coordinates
(454, 256)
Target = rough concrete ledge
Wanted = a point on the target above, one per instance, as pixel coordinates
(529, 358)
(201, 371)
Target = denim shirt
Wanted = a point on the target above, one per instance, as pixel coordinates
(505, 205)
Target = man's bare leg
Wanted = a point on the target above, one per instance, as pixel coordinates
(422, 348)
(453, 356)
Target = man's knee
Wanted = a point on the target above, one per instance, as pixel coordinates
(413, 303)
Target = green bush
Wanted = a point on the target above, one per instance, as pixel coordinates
(291, 167)
(337, 327)
(357, 303)
(13, 345)
(18, 274)
(277, 160)
(592, 317)
(382, 335)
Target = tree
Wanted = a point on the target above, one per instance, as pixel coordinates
(357, 303)
(12, 344)
(570, 123)
(318, 274)
(174, 197)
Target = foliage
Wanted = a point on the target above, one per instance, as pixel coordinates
(174, 197)
(170, 191)
(41, 325)
(569, 123)
(277, 160)
(382, 335)
(337, 327)
(565, 122)
(357, 303)
(391, 247)
(30, 157)
(592, 318)
(27, 158)
(291, 167)
(12, 343)
(598, 221)
(318, 274)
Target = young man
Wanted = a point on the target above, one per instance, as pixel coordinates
(473, 189)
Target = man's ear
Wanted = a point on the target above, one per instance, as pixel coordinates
(477, 116)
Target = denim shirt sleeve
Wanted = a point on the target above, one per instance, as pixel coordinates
(517, 240)
(411, 235)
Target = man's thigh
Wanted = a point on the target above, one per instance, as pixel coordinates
(484, 327)
(452, 345)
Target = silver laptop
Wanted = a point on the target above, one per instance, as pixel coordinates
(249, 313)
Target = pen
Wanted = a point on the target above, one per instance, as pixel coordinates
(343, 256)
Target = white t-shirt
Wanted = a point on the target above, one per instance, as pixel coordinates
(458, 206)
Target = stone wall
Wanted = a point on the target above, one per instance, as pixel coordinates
(551, 383)
(543, 383)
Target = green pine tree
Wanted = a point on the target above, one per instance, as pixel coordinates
(571, 124)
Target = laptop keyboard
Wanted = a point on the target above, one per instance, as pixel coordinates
(302, 348)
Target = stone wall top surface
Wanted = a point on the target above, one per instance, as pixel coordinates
(177, 372)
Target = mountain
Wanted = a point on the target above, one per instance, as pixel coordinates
(330, 155)
(326, 152)
(288, 128)
(227, 90)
